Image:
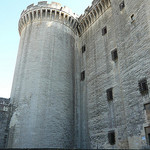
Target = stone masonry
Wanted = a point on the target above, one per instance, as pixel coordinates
(4, 115)
(82, 82)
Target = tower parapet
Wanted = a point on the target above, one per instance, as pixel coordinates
(51, 12)
(91, 14)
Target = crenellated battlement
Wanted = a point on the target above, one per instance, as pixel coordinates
(45, 11)
(91, 14)
(55, 12)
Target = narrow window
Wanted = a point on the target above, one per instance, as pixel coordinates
(114, 55)
(147, 109)
(143, 87)
(82, 76)
(122, 5)
(104, 30)
(83, 48)
(111, 138)
(109, 94)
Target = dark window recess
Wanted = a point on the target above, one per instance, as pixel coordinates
(82, 76)
(83, 49)
(122, 5)
(111, 138)
(147, 134)
(104, 30)
(109, 94)
(114, 55)
(143, 87)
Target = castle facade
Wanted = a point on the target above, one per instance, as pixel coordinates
(82, 82)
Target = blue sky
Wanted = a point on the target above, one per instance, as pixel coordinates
(10, 11)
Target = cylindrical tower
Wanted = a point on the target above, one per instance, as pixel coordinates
(42, 91)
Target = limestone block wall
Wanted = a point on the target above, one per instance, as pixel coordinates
(125, 114)
(4, 114)
(42, 93)
(134, 49)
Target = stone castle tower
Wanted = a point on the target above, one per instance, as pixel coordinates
(42, 92)
(82, 82)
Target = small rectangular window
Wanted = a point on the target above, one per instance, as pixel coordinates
(104, 30)
(114, 55)
(111, 138)
(83, 49)
(122, 5)
(82, 76)
(109, 94)
(143, 87)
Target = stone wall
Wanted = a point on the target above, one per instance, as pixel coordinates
(4, 114)
(125, 114)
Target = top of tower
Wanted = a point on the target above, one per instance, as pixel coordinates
(50, 12)
(53, 5)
